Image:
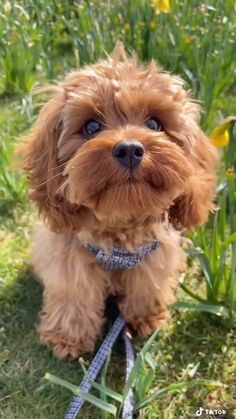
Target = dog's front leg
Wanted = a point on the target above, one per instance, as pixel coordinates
(70, 327)
(75, 289)
(71, 323)
(73, 310)
(144, 299)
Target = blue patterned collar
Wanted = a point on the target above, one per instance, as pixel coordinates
(119, 258)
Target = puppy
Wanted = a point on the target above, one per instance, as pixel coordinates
(117, 165)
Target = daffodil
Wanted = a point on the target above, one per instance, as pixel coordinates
(220, 134)
(161, 6)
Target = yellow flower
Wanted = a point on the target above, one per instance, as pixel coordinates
(127, 26)
(230, 172)
(220, 134)
(161, 6)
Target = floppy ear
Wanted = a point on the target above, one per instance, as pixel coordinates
(41, 163)
(193, 206)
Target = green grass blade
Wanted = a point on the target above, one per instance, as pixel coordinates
(137, 365)
(148, 380)
(150, 360)
(206, 268)
(101, 404)
(64, 383)
(108, 392)
(192, 294)
(218, 310)
(178, 387)
(230, 240)
(103, 383)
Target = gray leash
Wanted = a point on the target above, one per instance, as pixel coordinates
(129, 401)
(95, 367)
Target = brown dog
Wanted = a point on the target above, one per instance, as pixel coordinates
(117, 164)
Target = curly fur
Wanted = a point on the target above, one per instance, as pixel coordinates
(82, 193)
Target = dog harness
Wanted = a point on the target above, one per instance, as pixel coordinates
(119, 258)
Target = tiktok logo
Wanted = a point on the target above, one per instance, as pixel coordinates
(215, 412)
(200, 411)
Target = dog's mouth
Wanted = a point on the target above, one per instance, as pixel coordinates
(130, 182)
(125, 187)
(130, 199)
(100, 183)
(135, 193)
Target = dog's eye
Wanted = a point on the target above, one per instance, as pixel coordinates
(91, 128)
(154, 124)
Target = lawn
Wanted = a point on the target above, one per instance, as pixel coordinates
(194, 357)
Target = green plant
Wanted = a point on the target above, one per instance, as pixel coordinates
(215, 246)
(141, 378)
(35, 33)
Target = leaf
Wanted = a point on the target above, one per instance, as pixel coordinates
(101, 404)
(218, 310)
(103, 380)
(231, 239)
(149, 342)
(215, 245)
(137, 364)
(206, 268)
(64, 383)
(150, 360)
(148, 381)
(184, 385)
(191, 293)
(222, 185)
(111, 393)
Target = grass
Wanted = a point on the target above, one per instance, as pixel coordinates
(192, 362)
(179, 353)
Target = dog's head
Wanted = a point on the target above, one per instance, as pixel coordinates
(121, 140)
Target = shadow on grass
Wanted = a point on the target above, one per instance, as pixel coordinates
(10, 208)
(24, 361)
(6, 209)
(22, 300)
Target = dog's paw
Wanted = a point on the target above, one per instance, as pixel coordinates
(145, 326)
(66, 348)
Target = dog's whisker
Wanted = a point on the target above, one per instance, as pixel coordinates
(60, 165)
(62, 187)
(57, 167)
(51, 178)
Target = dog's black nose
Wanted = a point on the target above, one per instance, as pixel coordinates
(128, 153)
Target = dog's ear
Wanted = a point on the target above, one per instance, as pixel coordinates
(40, 154)
(192, 207)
